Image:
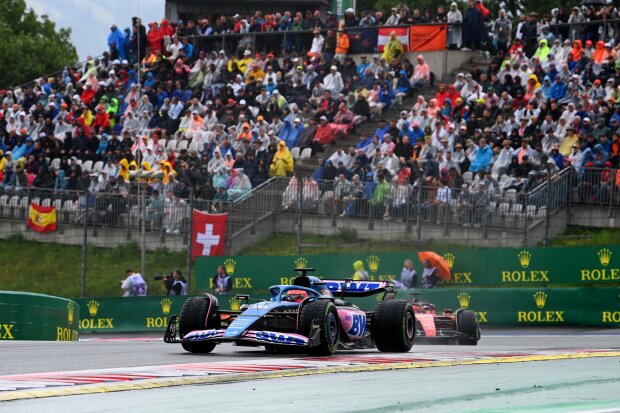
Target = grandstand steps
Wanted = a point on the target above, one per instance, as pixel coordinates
(365, 130)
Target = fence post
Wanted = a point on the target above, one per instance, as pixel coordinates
(190, 232)
(418, 218)
(300, 203)
(610, 195)
(84, 245)
(371, 224)
(95, 214)
(548, 212)
(229, 229)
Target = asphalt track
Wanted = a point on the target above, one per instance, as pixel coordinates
(547, 370)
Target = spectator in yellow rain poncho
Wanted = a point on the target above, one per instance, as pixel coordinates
(282, 162)
(393, 49)
(360, 273)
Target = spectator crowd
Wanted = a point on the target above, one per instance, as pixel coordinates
(187, 117)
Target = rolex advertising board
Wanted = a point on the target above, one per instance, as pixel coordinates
(497, 267)
(29, 316)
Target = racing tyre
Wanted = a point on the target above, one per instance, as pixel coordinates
(393, 326)
(199, 313)
(466, 323)
(321, 314)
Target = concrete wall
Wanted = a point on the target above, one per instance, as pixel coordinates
(394, 231)
(595, 216)
(102, 237)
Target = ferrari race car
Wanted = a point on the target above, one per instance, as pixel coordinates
(448, 327)
(305, 315)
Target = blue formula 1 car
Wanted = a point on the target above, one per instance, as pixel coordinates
(305, 315)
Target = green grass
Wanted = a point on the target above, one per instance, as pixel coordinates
(583, 237)
(57, 269)
(345, 242)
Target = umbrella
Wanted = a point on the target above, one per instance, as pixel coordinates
(437, 261)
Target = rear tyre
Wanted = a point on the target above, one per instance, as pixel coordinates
(393, 326)
(199, 313)
(466, 323)
(321, 314)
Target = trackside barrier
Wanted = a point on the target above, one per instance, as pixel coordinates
(493, 306)
(29, 316)
(494, 267)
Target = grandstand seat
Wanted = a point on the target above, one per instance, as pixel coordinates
(295, 153)
(47, 160)
(468, 176)
(516, 213)
(162, 142)
(541, 213)
(46, 202)
(57, 204)
(98, 166)
(182, 145)
(23, 206)
(79, 162)
(193, 146)
(13, 205)
(511, 195)
(4, 202)
(172, 144)
(306, 153)
(36, 200)
(87, 166)
(530, 211)
(55, 163)
(503, 209)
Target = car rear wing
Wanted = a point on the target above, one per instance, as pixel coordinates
(350, 288)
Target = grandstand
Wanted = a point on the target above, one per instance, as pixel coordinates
(247, 115)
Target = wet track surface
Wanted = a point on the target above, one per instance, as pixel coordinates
(535, 369)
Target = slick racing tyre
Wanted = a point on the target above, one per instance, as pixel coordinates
(194, 317)
(393, 326)
(321, 314)
(466, 323)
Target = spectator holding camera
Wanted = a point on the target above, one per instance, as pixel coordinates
(175, 283)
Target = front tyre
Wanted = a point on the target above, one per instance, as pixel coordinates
(393, 326)
(199, 313)
(321, 314)
(467, 324)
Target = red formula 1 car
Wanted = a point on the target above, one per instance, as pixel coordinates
(447, 327)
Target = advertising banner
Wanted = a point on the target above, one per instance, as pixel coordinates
(496, 267)
(492, 306)
(28, 316)
(427, 38)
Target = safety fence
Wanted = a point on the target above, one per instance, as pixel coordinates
(28, 316)
(493, 306)
(417, 37)
(413, 208)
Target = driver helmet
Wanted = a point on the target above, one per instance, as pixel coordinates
(296, 296)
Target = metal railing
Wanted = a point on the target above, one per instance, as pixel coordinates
(282, 43)
(414, 207)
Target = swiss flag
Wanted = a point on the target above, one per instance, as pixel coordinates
(208, 234)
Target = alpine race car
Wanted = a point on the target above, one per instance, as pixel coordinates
(447, 327)
(305, 315)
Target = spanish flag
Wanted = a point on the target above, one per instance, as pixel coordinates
(42, 219)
